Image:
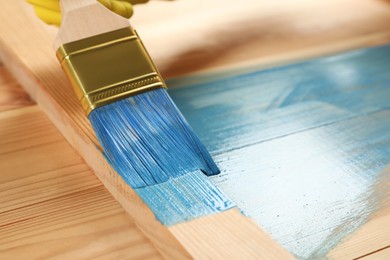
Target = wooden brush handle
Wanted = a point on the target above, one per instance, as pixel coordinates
(86, 18)
(68, 5)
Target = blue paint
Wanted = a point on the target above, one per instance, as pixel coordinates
(149, 143)
(302, 147)
(184, 198)
(147, 140)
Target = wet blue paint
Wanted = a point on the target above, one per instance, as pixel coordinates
(147, 140)
(184, 198)
(152, 147)
(301, 147)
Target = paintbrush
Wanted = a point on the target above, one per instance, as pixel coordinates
(143, 134)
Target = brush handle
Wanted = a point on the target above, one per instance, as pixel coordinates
(86, 18)
(68, 5)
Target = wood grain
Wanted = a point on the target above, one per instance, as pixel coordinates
(12, 95)
(381, 254)
(372, 237)
(52, 205)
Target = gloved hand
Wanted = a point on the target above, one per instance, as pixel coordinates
(49, 10)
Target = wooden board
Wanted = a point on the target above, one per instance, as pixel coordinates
(52, 205)
(21, 66)
(371, 241)
(12, 95)
(292, 150)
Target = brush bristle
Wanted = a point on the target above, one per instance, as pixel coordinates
(147, 140)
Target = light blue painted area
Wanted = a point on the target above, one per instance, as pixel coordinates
(184, 198)
(306, 187)
(302, 148)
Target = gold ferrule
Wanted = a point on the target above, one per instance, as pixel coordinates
(109, 67)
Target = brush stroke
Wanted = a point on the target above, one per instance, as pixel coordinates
(301, 147)
(184, 198)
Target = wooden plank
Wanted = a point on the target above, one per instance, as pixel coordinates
(27, 196)
(29, 56)
(12, 95)
(292, 150)
(381, 254)
(52, 205)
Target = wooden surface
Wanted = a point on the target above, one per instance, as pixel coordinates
(52, 205)
(292, 150)
(37, 69)
(12, 95)
(371, 241)
(365, 31)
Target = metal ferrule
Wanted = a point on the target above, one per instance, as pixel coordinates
(109, 67)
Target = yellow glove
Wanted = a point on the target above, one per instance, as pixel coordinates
(49, 10)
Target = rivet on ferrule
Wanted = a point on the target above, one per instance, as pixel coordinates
(109, 67)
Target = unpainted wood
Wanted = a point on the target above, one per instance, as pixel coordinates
(382, 254)
(52, 205)
(12, 95)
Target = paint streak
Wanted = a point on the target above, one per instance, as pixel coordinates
(184, 198)
(302, 147)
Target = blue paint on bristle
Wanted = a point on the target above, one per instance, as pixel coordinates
(147, 140)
